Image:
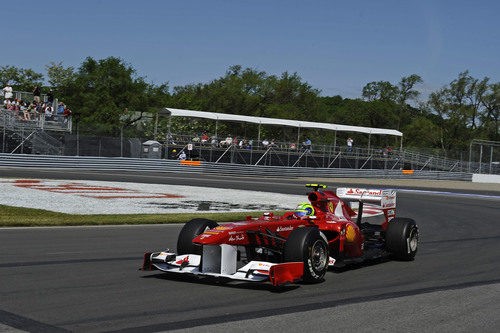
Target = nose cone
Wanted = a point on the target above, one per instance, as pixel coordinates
(211, 237)
(227, 234)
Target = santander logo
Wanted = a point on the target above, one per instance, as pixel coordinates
(359, 191)
(289, 228)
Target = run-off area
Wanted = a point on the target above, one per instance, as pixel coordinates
(100, 197)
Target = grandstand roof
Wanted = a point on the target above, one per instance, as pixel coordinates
(276, 121)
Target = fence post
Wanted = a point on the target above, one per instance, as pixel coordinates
(480, 157)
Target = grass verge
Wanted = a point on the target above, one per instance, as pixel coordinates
(29, 217)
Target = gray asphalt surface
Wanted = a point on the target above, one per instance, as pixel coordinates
(85, 279)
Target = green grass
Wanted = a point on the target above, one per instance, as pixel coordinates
(29, 217)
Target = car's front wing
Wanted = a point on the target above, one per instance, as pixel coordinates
(256, 271)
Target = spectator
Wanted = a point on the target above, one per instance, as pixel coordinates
(50, 97)
(182, 156)
(49, 111)
(241, 144)
(349, 144)
(307, 144)
(272, 144)
(67, 114)
(293, 146)
(60, 108)
(36, 94)
(204, 138)
(389, 151)
(214, 141)
(8, 92)
(265, 143)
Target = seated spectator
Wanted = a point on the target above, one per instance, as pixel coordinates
(250, 144)
(241, 144)
(272, 144)
(307, 144)
(265, 143)
(182, 156)
(204, 138)
(67, 114)
(49, 111)
(293, 146)
(214, 141)
(60, 108)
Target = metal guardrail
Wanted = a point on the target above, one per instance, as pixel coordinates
(152, 165)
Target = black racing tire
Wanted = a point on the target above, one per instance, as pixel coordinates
(401, 238)
(190, 231)
(307, 245)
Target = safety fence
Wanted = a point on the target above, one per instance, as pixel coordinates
(156, 165)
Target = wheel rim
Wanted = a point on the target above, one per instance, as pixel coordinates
(319, 255)
(413, 240)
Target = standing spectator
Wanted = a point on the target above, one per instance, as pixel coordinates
(8, 92)
(36, 94)
(50, 97)
(349, 144)
(265, 143)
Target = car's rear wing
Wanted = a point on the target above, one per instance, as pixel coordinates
(379, 201)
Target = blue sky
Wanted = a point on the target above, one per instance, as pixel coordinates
(336, 46)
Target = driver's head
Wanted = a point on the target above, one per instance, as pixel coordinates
(304, 209)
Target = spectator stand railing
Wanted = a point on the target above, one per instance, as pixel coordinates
(326, 156)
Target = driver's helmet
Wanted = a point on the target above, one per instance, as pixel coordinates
(304, 209)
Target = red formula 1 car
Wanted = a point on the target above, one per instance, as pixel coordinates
(336, 228)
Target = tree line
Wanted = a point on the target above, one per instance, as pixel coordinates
(103, 93)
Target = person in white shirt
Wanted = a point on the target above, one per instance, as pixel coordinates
(8, 92)
(182, 156)
(349, 144)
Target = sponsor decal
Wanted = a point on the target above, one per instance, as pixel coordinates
(179, 262)
(89, 191)
(350, 233)
(330, 206)
(205, 236)
(356, 191)
(222, 228)
(235, 232)
(237, 238)
(289, 228)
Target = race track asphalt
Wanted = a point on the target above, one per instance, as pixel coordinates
(85, 279)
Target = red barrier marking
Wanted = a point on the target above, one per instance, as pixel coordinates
(191, 162)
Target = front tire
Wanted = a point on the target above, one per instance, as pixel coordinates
(401, 238)
(190, 231)
(307, 245)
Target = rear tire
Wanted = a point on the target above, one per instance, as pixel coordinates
(401, 238)
(190, 231)
(307, 245)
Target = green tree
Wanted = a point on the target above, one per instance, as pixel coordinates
(21, 79)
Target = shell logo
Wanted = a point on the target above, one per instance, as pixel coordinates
(350, 233)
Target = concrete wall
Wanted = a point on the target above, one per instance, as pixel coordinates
(482, 178)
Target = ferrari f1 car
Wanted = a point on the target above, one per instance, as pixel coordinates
(334, 229)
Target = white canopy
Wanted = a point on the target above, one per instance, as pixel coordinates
(283, 122)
